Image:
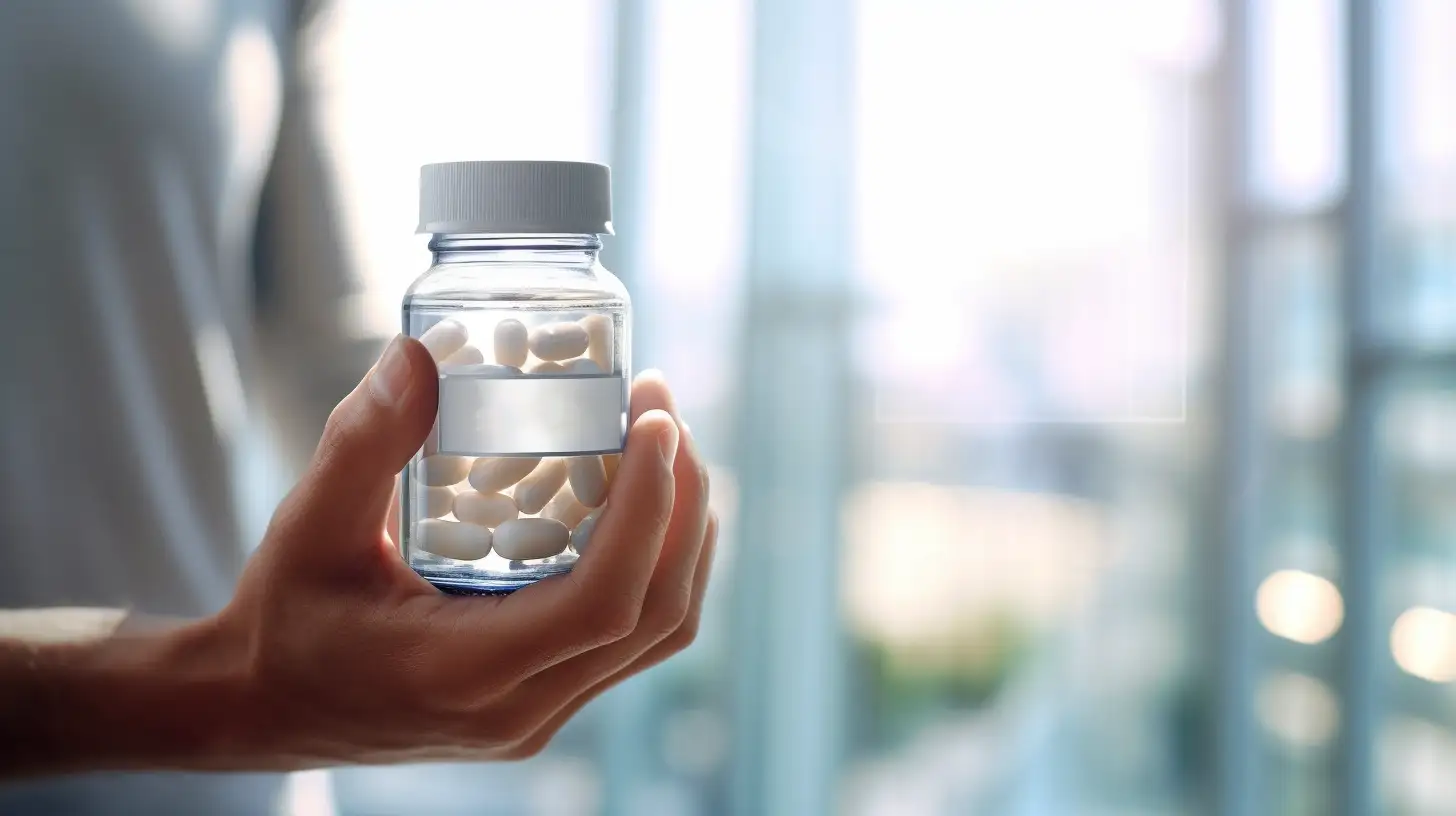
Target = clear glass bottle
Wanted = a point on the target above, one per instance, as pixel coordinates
(531, 336)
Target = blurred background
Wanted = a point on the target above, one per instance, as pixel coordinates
(1080, 380)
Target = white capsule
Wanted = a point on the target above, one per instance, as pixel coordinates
(536, 489)
(433, 502)
(485, 371)
(565, 508)
(451, 539)
(529, 538)
(588, 479)
(558, 341)
(467, 356)
(548, 368)
(442, 471)
(581, 536)
(599, 334)
(582, 365)
(494, 474)
(485, 509)
(445, 338)
(510, 342)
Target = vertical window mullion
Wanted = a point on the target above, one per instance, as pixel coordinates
(1361, 654)
(794, 436)
(1236, 744)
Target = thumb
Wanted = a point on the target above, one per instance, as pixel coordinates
(370, 437)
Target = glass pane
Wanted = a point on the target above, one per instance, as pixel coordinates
(1420, 135)
(1028, 208)
(1017, 551)
(1418, 605)
(1297, 331)
(1298, 602)
(1297, 102)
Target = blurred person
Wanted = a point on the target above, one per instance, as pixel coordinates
(138, 139)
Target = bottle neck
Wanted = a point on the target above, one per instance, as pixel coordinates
(566, 250)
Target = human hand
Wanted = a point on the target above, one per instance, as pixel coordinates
(338, 653)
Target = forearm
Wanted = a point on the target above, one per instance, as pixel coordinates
(79, 695)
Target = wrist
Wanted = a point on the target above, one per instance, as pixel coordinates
(169, 698)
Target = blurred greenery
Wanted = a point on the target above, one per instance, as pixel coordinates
(904, 687)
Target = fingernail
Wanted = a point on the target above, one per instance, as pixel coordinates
(667, 444)
(390, 378)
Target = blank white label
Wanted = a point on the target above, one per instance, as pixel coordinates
(532, 416)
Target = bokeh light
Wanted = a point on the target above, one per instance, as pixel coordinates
(1300, 710)
(1300, 606)
(1423, 642)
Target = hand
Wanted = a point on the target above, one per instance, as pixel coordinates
(343, 655)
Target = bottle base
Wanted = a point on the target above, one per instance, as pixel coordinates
(469, 581)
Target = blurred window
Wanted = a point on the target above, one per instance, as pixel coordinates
(1031, 273)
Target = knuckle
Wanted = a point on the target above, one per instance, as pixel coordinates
(508, 726)
(336, 432)
(680, 609)
(337, 426)
(444, 698)
(659, 507)
(663, 621)
(617, 618)
(475, 694)
(288, 513)
(684, 635)
(662, 512)
(530, 747)
(468, 695)
(520, 728)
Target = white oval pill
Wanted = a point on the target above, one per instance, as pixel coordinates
(528, 538)
(548, 368)
(510, 342)
(558, 341)
(599, 335)
(433, 502)
(536, 489)
(581, 536)
(441, 471)
(451, 539)
(492, 474)
(485, 509)
(565, 508)
(484, 371)
(582, 365)
(588, 479)
(469, 355)
(445, 338)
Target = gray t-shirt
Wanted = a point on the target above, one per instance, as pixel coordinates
(136, 137)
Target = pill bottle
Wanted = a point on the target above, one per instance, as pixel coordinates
(530, 337)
